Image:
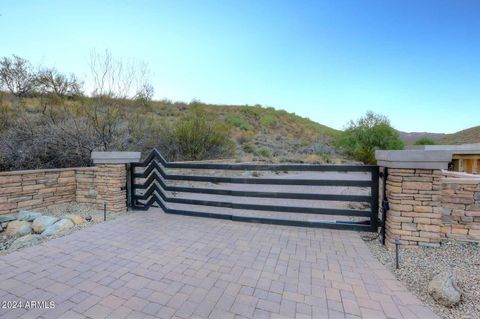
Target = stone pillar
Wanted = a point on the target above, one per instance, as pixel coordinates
(110, 183)
(413, 191)
(111, 178)
(415, 214)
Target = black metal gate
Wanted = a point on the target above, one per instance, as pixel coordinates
(152, 184)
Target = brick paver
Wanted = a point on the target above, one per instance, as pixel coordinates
(152, 265)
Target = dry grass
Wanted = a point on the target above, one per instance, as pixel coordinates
(468, 136)
(285, 134)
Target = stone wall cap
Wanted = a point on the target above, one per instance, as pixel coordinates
(460, 180)
(47, 170)
(115, 157)
(459, 174)
(414, 159)
(413, 155)
(463, 149)
(450, 177)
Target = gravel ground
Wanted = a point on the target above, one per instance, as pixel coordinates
(419, 265)
(60, 211)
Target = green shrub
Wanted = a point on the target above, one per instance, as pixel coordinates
(251, 111)
(326, 158)
(369, 133)
(244, 136)
(269, 120)
(265, 152)
(201, 135)
(249, 148)
(238, 121)
(424, 141)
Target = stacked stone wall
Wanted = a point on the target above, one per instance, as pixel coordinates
(24, 190)
(461, 207)
(86, 190)
(45, 188)
(415, 214)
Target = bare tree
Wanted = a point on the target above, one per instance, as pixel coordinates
(64, 135)
(145, 95)
(117, 78)
(17, 75)
(116, 84)
(50, 80)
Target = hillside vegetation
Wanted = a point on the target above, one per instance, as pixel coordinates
(412, 137)
(259, 132)
(48, 120)
(52, 132)
(468, 136)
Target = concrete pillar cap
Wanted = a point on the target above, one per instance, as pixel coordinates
(414, 159)
(115, 157)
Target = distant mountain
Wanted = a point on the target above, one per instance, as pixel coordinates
(411, 137)
(467, 136)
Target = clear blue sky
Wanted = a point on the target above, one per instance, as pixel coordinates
(418, 62)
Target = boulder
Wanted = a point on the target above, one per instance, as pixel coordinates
(25, 241)
(443, 288)
(18, 228)
(43, 222)
(58, 227)
(5, 219)
(28, 215)
(76, 219)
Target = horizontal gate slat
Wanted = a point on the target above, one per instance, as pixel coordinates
(271, 221)
(272, 208)
(199, 190)
(279, 195)
(272, 167)
(155, 185)
(265, 181)
(255, 167)
(241, 180)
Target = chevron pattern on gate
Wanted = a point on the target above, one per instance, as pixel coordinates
(151, 186)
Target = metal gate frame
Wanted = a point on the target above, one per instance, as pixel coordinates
(155, 185)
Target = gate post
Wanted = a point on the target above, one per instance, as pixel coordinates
(111, 178)
(374, 200)
(413, 193)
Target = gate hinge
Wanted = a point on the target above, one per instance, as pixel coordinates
(385, 205)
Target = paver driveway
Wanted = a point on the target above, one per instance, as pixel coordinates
(149, 264)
